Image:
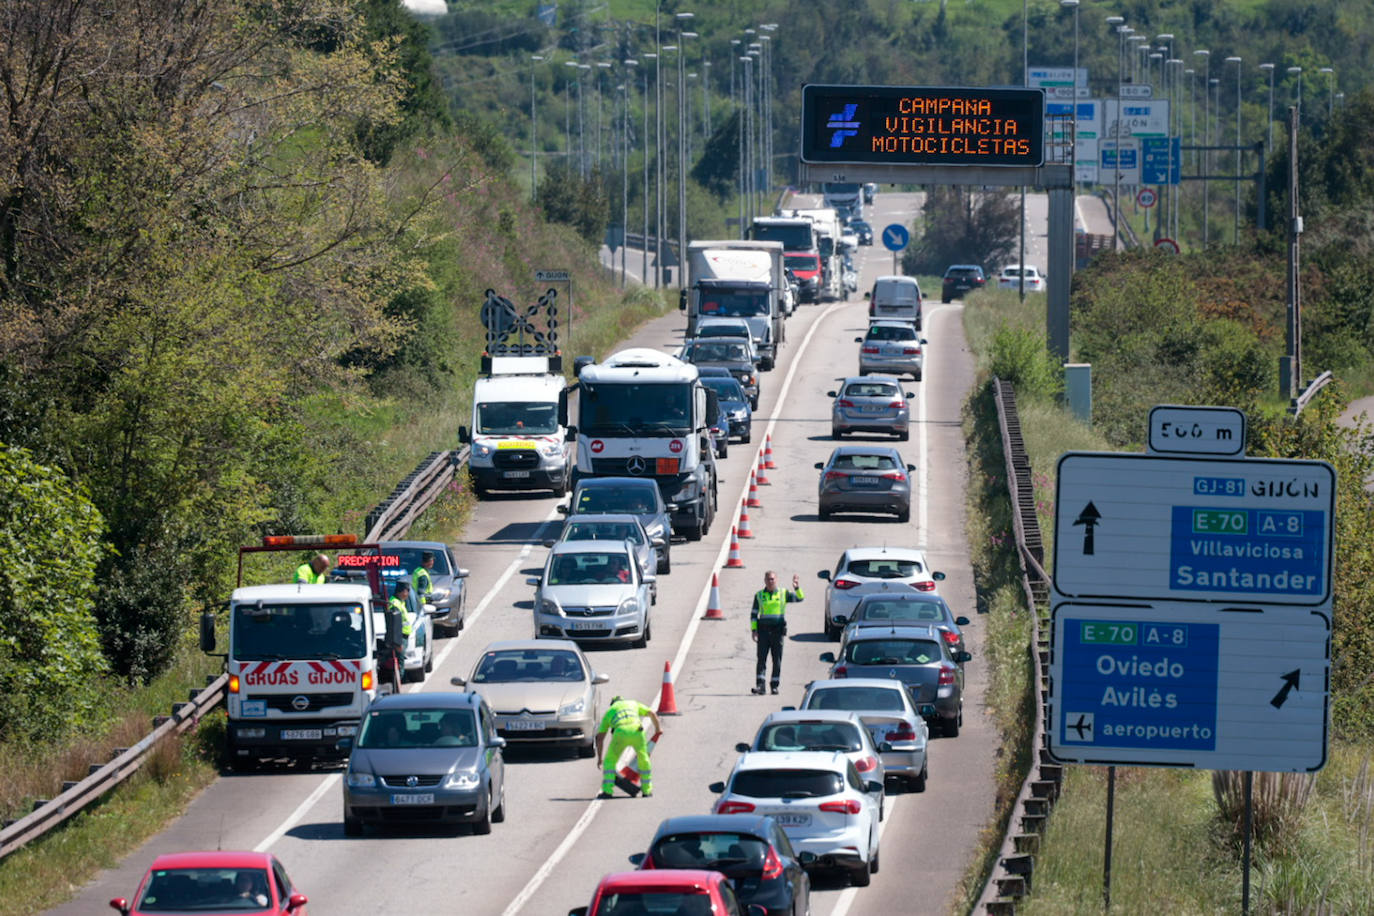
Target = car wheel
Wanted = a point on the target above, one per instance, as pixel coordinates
(831, 631)
(748, 433)
(904, 436)
(904, 516)
(561, 488)
(645, 635)
(918, 783)
(429, 663)
(482, 826)
(824, 514)
(860, 877)
(352, 826)
(918, 375)
(753, 403)
(944, 300)
(587, 750)
(242, 764)
(951, 726)
(873, 863)
(724, 448)
(498, 816)
(836, 434)
(665, 562)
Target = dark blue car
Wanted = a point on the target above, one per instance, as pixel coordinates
(732, 399)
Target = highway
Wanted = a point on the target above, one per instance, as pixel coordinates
(558, 839)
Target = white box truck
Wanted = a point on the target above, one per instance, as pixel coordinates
(739, 279)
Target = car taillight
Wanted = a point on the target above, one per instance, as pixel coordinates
(893, 475)
(870, 350)
(897, 404)
(772, 865)
(950, 637)
(843, 584)
(734, 807)
(946, 675)
(848, 806)
(845, 402)
(911, 351)
(903, 732)
(835, 475)
(979, 280)
(233, 683)
(841, 671)
(865, 764)
(924, 586)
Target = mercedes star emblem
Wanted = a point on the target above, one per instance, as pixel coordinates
(635, 465)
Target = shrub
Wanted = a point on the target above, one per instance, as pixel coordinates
(1278, 803)
(1020, 357)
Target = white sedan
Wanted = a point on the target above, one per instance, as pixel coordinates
(1010, 278)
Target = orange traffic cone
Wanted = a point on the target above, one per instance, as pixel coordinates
(629, 772)
(753, 501)
(768, 453)
(745, 531)
(762, 474)
(713, 611)
(667, 703)
(733, 561)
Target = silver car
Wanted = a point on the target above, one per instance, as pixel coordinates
(425, 758)
(632, 495)
(870, 405)
(893, 347)
(541, 692)
(593, 590)
(885, 603)
(864, 478)
(449, 600)
(890, 716)
(822, 730)
(918, 656)
(859, 566)
(609, 526)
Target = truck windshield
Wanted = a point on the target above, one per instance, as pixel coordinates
(517, 418)
(613, 409)
(733, 304)
(795, 237)
(269, 632)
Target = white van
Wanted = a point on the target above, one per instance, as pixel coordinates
(895, 297)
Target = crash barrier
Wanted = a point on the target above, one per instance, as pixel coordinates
(1305, 397)
(75, 797)
(393, 516)
(1010, 878)
(1123, 226)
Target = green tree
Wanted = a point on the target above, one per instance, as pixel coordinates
(960, 226)
(567, 197)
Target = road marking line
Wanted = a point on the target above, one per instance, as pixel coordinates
(583, 822)
(849, 893)
(300, 812)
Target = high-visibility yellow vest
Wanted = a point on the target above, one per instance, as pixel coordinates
(399, 607)
(306, 574)
(421, 582)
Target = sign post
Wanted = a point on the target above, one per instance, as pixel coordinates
(895, 238)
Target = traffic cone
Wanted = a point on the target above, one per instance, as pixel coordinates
(768, 453)
(745, 531)
(733, 561)
(713, 611)
(627, 777)
(762, 474)
(667, 703)
(753, 501)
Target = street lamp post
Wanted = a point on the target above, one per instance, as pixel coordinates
(1237, 62)
(1330, 90)
(644, 196)
(1073, 105)
(534, 131)
(581, 125)
(1269, 114)
(746, 60)
(682, 20)
(601, 65)
(630, 64)
(1206, 56)
(766, 90)
(1176, 117)
(567, 118)
(1297, 71)
(1122, 30)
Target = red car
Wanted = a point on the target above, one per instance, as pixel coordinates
(685, 892)
(224, 883)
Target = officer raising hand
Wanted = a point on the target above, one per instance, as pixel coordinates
(768, 625)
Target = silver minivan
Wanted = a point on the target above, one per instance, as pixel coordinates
(896, 297)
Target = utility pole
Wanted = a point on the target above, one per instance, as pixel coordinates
(1290, 375)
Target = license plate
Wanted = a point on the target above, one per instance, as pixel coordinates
(864, 481)
(301, 734)
(589, 625)
(423, 798)
(250, 709)
(513, 474)
(526, 725)
(792, 820)
(873, 408)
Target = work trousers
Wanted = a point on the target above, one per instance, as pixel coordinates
(621, 739)
(770, 641)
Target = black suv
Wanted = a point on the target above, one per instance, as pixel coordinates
(960, 278)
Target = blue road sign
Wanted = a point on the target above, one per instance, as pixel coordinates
(895, 237)
(1161, 160)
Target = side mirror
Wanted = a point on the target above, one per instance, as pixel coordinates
(295, 902)
(885, 747)
(832, 394)
(806, 859)
(961, 621)
(927, 710)
(670, 507)
(461, 573)
(563, 509)
(682, 301)
(841, 619)
(938, 576)
(550, 542)
(827, 657)
(873, 786)
(464, 435)
(637, 859)
(532, 580)
(119, 903)
(498, 743)
(868, 295)
(570, 435)
(650, 577)
(344, 744)
(742, 747)
(924, 341)
(458, 682)
(858, 340)
(658, 543)
(717, 787)
(910, 395)
(601, 678)
(207, 634)
(820, 465)
(823, 574)
(911, 467)
(965, 656)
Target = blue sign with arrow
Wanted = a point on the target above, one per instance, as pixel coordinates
(896, 237)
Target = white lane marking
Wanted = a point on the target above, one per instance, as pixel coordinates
(847, 896)
(684, 646)
(923, 450)
(310, 800)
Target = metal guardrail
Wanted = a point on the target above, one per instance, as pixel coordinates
(77, 796)
(1296, 405)
(1123, 226)
(1010, 879)
(393, 516)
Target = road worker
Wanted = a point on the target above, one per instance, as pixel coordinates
(624, 719)
(314, 571)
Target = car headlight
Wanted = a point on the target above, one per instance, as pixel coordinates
(462, 779)
(549, 606)
(439, 594)
(360, 780)
(551, 449)
(482, 450)
(628, 606)
(686, 494)
(574, 708)
(738, 413)
(746, 379)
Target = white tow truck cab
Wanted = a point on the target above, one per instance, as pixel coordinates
(517, 440)
(740, 279)
(643, 413)
(303, 660)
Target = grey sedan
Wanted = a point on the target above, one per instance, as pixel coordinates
(822, 730)
(893, 347)
(889, 714)
(870, 405)
(865, 478)
(449, 598)
(608, 526)
(887, 603)
(915, 655)
(729, 354)
(593, 590)
(425, 758)
(637, 496)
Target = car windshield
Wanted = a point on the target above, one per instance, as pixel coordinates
(871, 390)
(899, 609)
(716, 350)
(734, 304)
(891, 332)
(604, 531)
(614, 500)
(274, 632)
(617, 409)
(721, 329)
(692, 901)
(790, 783)
(864, 463)
(517, 418)
(409, 559)
(802, 261)
(206, 890)
(506, 666)
(884, 568)
(794, 236)
(892, 652)
(589, 569)
(390, 729)
(856, 699)
(809, 736)
(726, 389)
(733, 853)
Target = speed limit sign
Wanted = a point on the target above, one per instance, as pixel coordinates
(1145, 197)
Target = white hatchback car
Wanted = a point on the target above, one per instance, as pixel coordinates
(792, 730)
(862, 565)
(1010, 278)
(819, 800)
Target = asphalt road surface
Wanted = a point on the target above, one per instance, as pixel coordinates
(558, 839)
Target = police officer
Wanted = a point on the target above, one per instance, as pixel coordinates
(313, 572)
(399, 607)
(624, 719)
(768, 625)
(420, 579)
